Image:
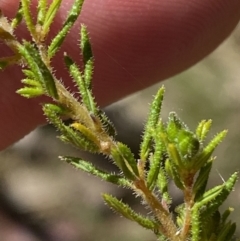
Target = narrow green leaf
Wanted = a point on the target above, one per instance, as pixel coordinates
(48, 16)
(91, 169)
(58, 40)
(227, 232)
(210, 225)
(38, 68)
(201, 182)
(162, 184)
(28, 73)
(32, 82)
(18, 17)
(214, 198)
(150, 126)
(179, 210)
(88, 73)
(155, 162)
(173, 173)
(209, 196)
(203, 129)
(153, 172)
(175, 156)
(128, 213)
(120, 161)
(89, 134)
(26, 11)
(86, 93)
(60, 37)
(106, 123)
(45, 75)
(54, 110)
(128, 157)
(208, 150)
(53, 113)
(215, 141)
(231, 232)
(30, 92)
(196, 225)
(85, 45)
(31, 62)
(225, 215)
(42, 10)
(227, 187)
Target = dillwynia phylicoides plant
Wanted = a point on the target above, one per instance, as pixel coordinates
(168, 151)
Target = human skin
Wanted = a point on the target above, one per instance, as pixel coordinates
(136, 43)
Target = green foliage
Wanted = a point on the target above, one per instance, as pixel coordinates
(71, 18)
(39, 69)
(150, 126)
(128, 213)
(91, 169)
(168, 151)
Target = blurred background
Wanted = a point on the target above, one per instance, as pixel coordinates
(44, 199)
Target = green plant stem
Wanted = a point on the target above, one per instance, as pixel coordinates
(189, 202)
(187, 219)
(168, 228)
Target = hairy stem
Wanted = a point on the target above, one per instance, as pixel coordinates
(168, 227)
